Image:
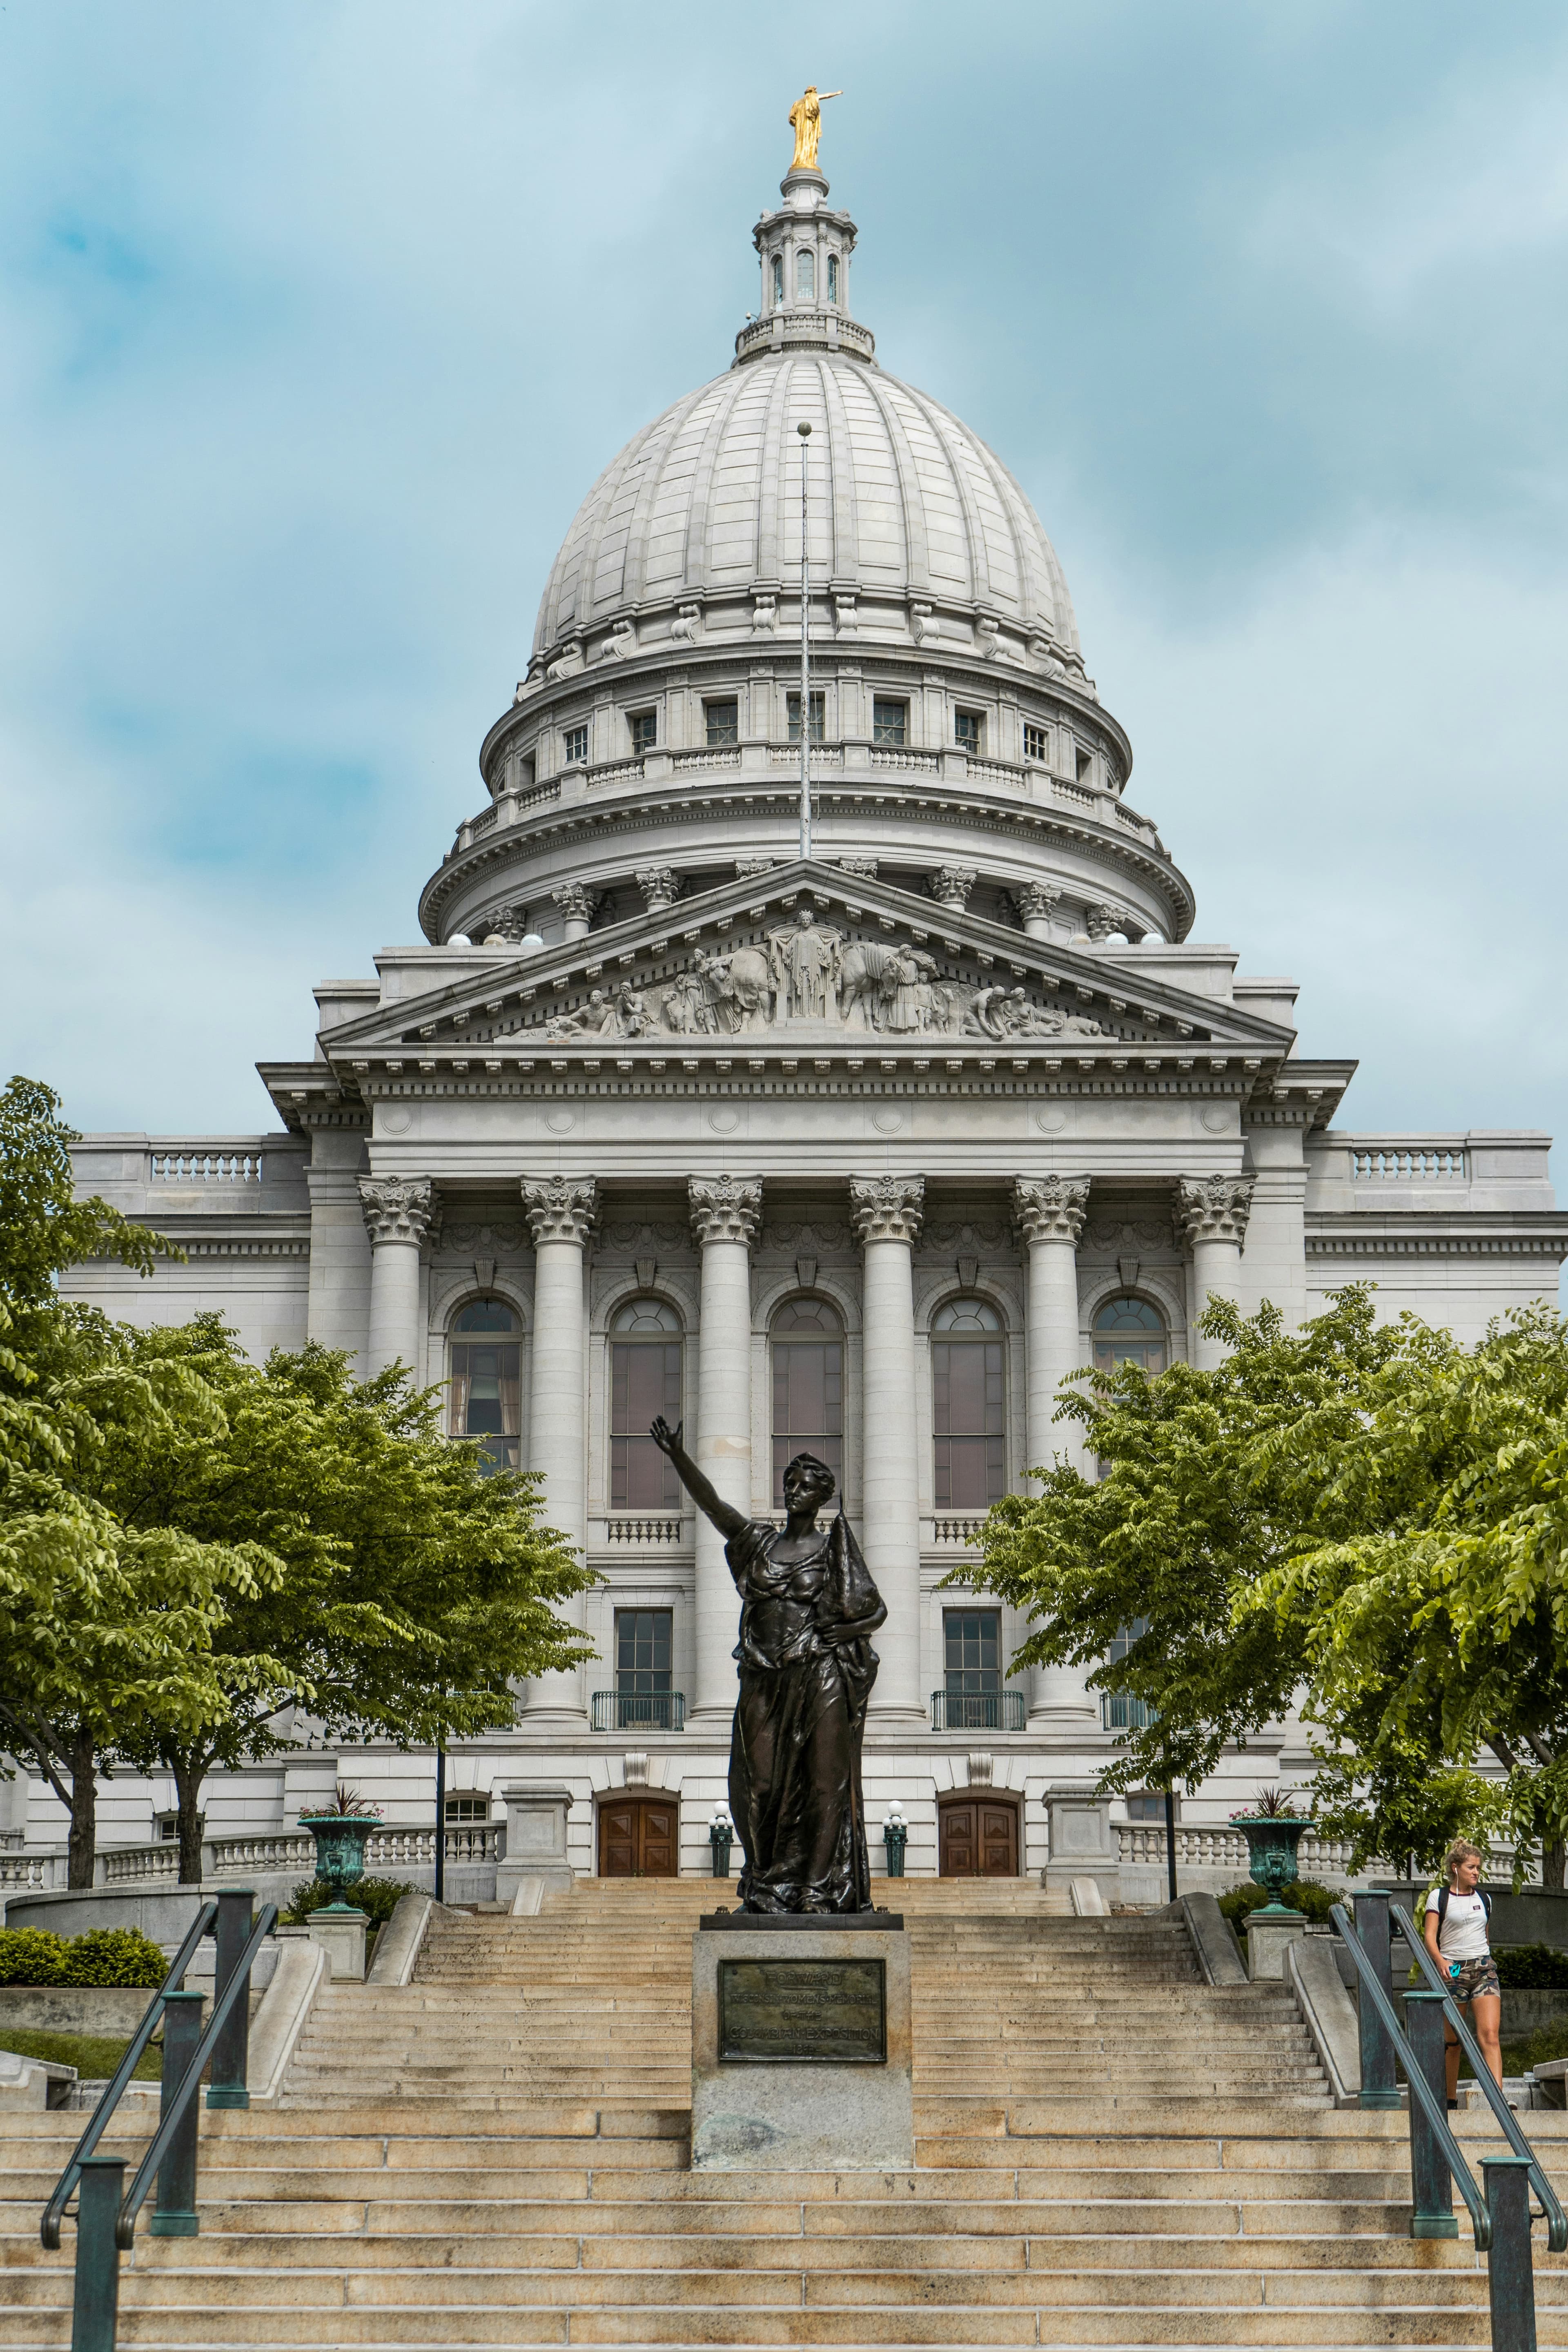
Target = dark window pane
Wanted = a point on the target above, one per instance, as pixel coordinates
(645, 731)
(808, 1404)
(967, 1396)
(644, 1381)
(642, 1651)
(966, 729)
(816, 718)
(486, 1398)
(973, 1640)
(723, 721)
(890, 721)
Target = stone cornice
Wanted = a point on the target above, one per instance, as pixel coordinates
(887, 1208)
(1538, 1234)
(724, 1208)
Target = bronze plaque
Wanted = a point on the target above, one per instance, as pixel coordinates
(808, 2013)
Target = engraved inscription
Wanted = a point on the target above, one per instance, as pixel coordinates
(810, 2013)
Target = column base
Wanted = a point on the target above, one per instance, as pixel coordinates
(1065, 1722)
(573, 1719)
(895, 1717)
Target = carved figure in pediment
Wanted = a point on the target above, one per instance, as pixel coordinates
(894, 989)
(633, 1018)
(741, 989)
(597, 1018)
(689, 1006)
(1006, 1014)
(806, 960)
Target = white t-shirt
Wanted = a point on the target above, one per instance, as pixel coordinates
(1463, 1933)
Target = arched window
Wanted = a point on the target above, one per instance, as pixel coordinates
(968, 1400)
(778, 279)
(1130, 1332)
(806, 274)
(808, 1388)
(644, 1381)
(487, 1380)
(1119, 1710)
(833, 278)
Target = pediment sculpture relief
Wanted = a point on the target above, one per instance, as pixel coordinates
(807, 974)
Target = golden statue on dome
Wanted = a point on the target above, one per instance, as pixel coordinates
(805, 122)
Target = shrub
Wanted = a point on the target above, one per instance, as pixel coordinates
(114, 1956)
(105, 1956)
(1532, 1968)
(377, 1898)
(30, 1956)
(1304, 1895)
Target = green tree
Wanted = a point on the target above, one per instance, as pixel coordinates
(408, 1592)
(102, 1627)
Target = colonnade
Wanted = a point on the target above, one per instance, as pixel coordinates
(885, 1212)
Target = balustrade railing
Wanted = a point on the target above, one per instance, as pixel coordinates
(977, 1710)
(205, 1167)
(1223, 1849)
(1413, 1163)
(961, 1530)
(642, 1531)
(640, 1711)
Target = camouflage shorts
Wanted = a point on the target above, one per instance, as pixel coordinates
(1475, 1977)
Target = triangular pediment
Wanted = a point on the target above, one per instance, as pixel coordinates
(808, 954)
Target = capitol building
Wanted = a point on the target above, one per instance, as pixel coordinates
(854, 1126)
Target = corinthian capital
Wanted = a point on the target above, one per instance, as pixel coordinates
(887, 1208)
(1051, 1208)
(576, 901)
(560, 1208)
(725, 1208)
(397, 1208)
(1214, 1208)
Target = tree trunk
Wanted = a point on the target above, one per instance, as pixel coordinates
(189, 1772)
(83, 1845)
(1553, 1856)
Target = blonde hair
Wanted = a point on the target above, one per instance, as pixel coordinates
(1457, 1853)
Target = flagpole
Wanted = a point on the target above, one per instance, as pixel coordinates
(805, 433)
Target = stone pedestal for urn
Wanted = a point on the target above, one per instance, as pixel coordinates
(1271, 1841)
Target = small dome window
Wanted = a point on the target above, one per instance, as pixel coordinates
(966, 1314)
(646, 1319)
(487, 1314)
(833, 278)
(1129, 1331)
(778, 277)
(806, 274)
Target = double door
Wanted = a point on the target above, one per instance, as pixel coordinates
(978, 1838)
(639, 1837)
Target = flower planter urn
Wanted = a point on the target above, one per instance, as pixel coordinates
(339, 1849)
(1272, 1842)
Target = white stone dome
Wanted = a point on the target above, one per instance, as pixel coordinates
(907, 506)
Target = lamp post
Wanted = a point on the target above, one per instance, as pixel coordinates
(721, 1836)
(440, 1821)
(895, 1838)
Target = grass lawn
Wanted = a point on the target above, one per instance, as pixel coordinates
(95, 2056)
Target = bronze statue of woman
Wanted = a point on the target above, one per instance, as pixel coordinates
(806, 1665)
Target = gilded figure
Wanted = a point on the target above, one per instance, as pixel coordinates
(805, 122)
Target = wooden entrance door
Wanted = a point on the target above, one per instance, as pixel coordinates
(639, 1837)
(978, 1838)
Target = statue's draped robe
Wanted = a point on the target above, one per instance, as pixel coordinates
(806, 1670)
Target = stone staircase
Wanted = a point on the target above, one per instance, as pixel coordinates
(1108, 2152)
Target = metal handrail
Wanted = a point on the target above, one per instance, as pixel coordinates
(1421, 2090)
(54, 2211)
(1513, 2131)
(190, 2085)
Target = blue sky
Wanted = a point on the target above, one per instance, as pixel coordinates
(317, 320)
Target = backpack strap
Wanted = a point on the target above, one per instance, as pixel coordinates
(1442, 1908)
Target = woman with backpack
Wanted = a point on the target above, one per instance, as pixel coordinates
(1458, 1917)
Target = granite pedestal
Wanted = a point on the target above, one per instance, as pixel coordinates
(801, 2047)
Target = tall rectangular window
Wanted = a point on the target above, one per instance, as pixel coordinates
(890, 721)
(486, 1365)
(972, 1645)
(643, 1651)
(1119, 1710)
(806, 274)
(575, 746)
(644, 1381)
(808, 1388)
(645, 731)
(833, 278)
(966, 729)
(817, 717)
(1036, 743)
(723, 722)
(968, 1399)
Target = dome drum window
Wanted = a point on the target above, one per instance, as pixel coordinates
(807, 1388)
(721, 723)
(575, 747)
(969, 730)
(644, 1381)
(968, 1406)
(778, 279)
(818, 718)
(485, 1401)
(833, 278)
(890, 721)
(804, 274)
(1130, 1332)
(1036, 743)
(645, 731)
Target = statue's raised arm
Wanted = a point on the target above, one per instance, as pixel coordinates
(725, 1516)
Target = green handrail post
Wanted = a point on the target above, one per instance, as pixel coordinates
(95, 2305)
(1379, 2086)
(174, 2214)
(1431, 2182)
(1511, 2277)
(231, 2051)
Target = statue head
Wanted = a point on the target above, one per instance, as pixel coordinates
(805, 918)
(807, 1483)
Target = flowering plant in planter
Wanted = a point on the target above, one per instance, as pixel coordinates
(339, 1830)
(1273, 1829)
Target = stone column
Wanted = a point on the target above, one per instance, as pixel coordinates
(724, 1218)
(560, 1211)
(398, 1212)
(1036, 902)
(887, 1212)
(1050, 1209)
(578, 905)
(1212, 1213)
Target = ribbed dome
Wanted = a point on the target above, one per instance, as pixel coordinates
(905, 503)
